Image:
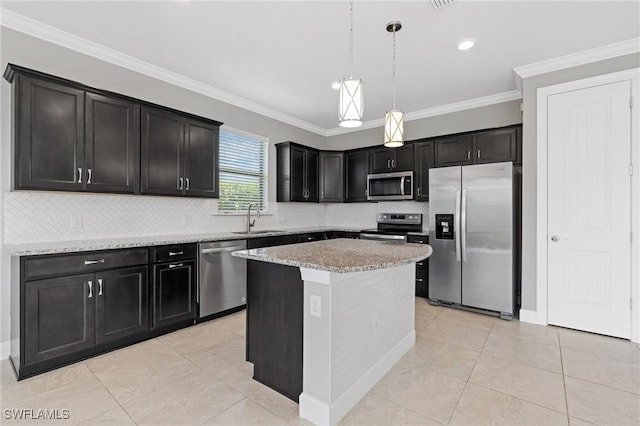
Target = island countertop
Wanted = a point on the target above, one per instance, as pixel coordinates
(341, 255)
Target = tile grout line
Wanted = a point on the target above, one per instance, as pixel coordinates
(564, 382)
(470, 373)
(112, 396)
(517, 397)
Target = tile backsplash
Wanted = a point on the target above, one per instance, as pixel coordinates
(31, 216)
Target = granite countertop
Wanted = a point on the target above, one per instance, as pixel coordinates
(32, 249)
(341, 255)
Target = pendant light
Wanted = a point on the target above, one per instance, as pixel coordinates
(351, 100)
(394, 119)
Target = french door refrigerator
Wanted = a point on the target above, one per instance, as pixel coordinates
(471, 231)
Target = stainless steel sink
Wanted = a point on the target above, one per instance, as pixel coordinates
(265, 231)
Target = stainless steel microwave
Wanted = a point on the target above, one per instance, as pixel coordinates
(390, 186)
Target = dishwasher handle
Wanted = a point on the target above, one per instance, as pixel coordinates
(221, 250)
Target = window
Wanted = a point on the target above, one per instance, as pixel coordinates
(243, 171)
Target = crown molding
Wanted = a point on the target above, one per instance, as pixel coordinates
(439, 110)
(23, 24)
(601, 53)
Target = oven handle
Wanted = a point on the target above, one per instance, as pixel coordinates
(365, 236)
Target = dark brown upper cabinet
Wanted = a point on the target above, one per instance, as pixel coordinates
(356, 169)
(423, 161)
(331, 176)
(489, 146)
(454, 151)
(71, 139)
(297, 173)
(179, 154)
(496, 146)
(385, 160)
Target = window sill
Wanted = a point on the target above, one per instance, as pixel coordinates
(253, 214)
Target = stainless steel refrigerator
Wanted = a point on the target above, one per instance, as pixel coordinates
(472, 232)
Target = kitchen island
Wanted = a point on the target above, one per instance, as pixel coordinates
(327, 319)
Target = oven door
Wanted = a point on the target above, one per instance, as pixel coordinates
(390, 186)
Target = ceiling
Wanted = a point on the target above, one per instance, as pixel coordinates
(283, 56)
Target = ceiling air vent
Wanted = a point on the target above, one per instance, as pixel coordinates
(437, 4)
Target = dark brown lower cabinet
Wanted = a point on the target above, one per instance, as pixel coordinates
(174, 293)
(121, 303)
(275, 312)
(59, 317)
(422, 267)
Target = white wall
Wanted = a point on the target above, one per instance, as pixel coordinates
(529, 166)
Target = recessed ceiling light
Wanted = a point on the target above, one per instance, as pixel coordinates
(335, 85)
(466, 44)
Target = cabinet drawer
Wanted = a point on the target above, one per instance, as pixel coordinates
(59, 265)
(173, 252)
(419, 239)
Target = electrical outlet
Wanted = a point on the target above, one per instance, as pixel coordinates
(76, 221)
(315, 306)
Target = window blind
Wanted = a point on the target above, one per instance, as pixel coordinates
(243, 171)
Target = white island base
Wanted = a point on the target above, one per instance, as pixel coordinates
(362, 325)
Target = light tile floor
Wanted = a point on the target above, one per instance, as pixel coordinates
(465, 369)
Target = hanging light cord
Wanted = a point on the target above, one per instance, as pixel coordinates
(394, 68)
(351, 38)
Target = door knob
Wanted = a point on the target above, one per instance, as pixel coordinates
(555, 238)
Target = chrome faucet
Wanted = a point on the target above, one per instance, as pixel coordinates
(251, 223)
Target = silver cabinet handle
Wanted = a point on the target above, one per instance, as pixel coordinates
(321, 194)
(175, 253)
(79, 174)
(478, 153)
(555, 238)
(418, 242)
(456, 232)
(389, 163)
(420, 263)
(419, 191)
(90, 284)
(187, 179)
(393, 163)
(175, 265)
(99, 286)
(419, 280)
(89, 177)
(181, 185)
(463, 225)
(468, 155)
(93, 262)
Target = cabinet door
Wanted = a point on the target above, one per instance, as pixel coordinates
(112, 143)
(402, 159)
(174, 293)
(50, 136)
(356, 169)
(454, 151)
(161, 151)
(59, 316)
(298, 181)
(311, 173)
(201, 159)
(423, 162)
(121, 303)
(331, 176)
(380, 160)
(495, 146)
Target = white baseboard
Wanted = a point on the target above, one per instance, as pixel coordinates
(531, 317)
(320, 413)
(5, 348)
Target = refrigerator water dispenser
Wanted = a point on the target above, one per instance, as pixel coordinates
(444, 226)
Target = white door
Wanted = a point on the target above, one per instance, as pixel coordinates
(589, 209)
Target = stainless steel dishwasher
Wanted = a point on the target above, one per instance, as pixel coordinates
(222, 278)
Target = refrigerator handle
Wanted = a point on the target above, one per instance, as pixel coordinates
(457, 229)
(463, 226)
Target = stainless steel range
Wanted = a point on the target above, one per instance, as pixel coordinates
(393, 226)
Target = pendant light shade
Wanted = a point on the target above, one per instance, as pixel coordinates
(351, 106)
(351, 103)
(394, 119)
(393, 129)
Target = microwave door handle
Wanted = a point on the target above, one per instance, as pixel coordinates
(402, 185)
